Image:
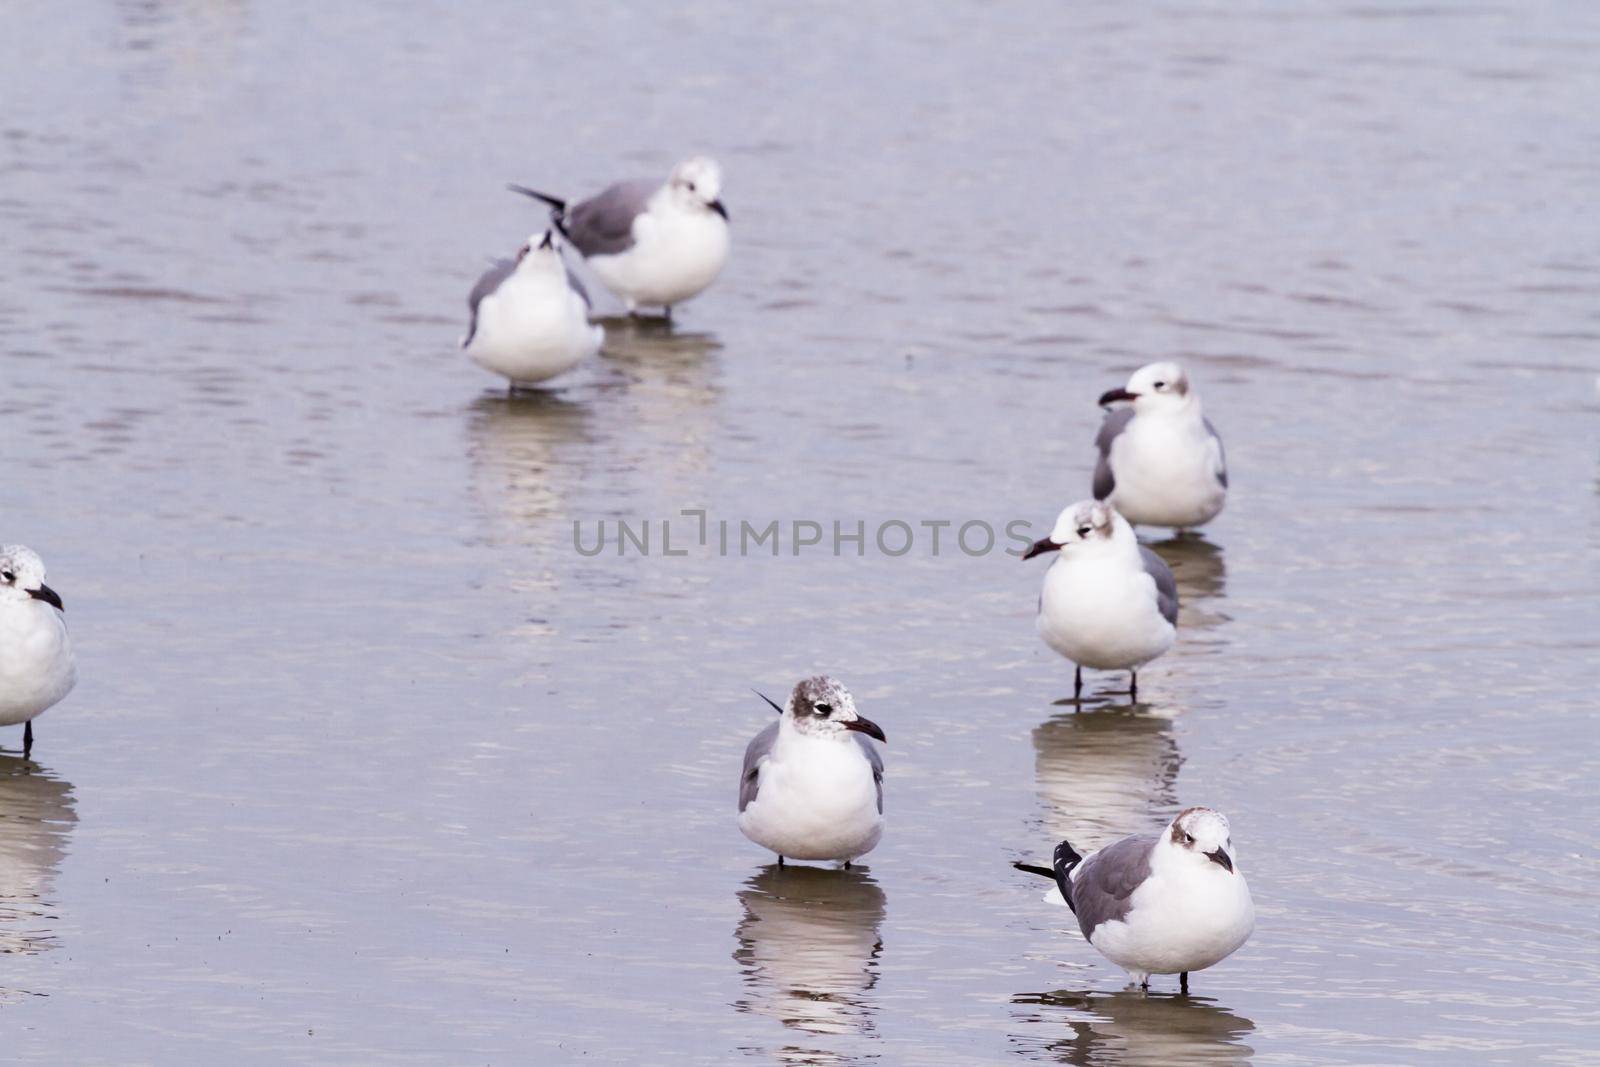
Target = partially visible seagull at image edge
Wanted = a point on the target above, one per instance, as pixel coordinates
(37, 667)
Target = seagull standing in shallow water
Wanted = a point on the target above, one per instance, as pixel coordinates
(812, 784)
(530, 316)
(1109, 602)
(36, 664)
(1161, 461)
(1166, 904)
(653, 245)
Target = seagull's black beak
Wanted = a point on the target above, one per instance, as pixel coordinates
(866, 726)
(548, 241)
(716, 205)
(1220, 858)
(48, 595)
(1114, 395)
(1040, 547)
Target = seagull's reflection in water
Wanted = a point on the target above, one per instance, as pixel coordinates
(1105, 772)
(1201, 571)
(36, 817)
(808, 951)
(527, 450)
(652, 353)
(1129, 1027)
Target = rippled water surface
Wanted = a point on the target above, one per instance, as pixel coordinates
(367, 764)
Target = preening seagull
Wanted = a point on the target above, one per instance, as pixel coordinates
(1158, 904)
(530, 316)
(653, 244)
(1109, 602)
(36, 664)
(812, 784)
(1161, 461)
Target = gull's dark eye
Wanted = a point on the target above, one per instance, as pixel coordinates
(1085, 531)
(1161, 385)
(1185, 839)
(824, 710)
(8, 576)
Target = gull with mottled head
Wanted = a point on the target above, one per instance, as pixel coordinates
(654, 244)
(36, 663)
(1109, 603)
(812, 784)
(1167, 903)
(1161, 461)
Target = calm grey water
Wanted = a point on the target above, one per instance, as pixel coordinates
(368, 765)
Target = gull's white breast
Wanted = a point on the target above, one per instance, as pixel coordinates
(676, 253)
(1166, 471)
(1102, 612)
(533, 327)
(36, 663)
(1183, 918)
(817, 800)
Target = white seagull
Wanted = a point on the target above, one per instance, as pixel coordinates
(530, 317)
(1161, 461)
(1158, 904)
(36, 664)
(1109, 602)
(653, 245)
(812, 785)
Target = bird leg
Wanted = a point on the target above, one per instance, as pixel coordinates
(1183, 983)
(847, 865)
(27, 738)
(1077, 684)
(1133, 686)
(780, 861)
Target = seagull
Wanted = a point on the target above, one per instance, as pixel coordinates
(36, 664)
(1158, 904)
(1108, 602)
(530, 316)
(653, 245)
(1161, 461)
(812, 785)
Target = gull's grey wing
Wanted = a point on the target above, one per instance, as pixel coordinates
(1102, 887)
(487, 284)
(603, 225)
(755, 752)
(1166, 584)
(1222, 456)
(1115, 422)
(577, 286)
(875, 758)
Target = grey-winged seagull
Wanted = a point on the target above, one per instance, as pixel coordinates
(36, 663)
(1161, 462)
(653, 244)
(1167, 903)
(530, 316)
(1108, 603)
(812, 784)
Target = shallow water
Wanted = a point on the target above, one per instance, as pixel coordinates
(367, 763)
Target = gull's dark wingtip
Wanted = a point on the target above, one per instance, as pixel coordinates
(775, 706)
(1034, 868)
(555, 202)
